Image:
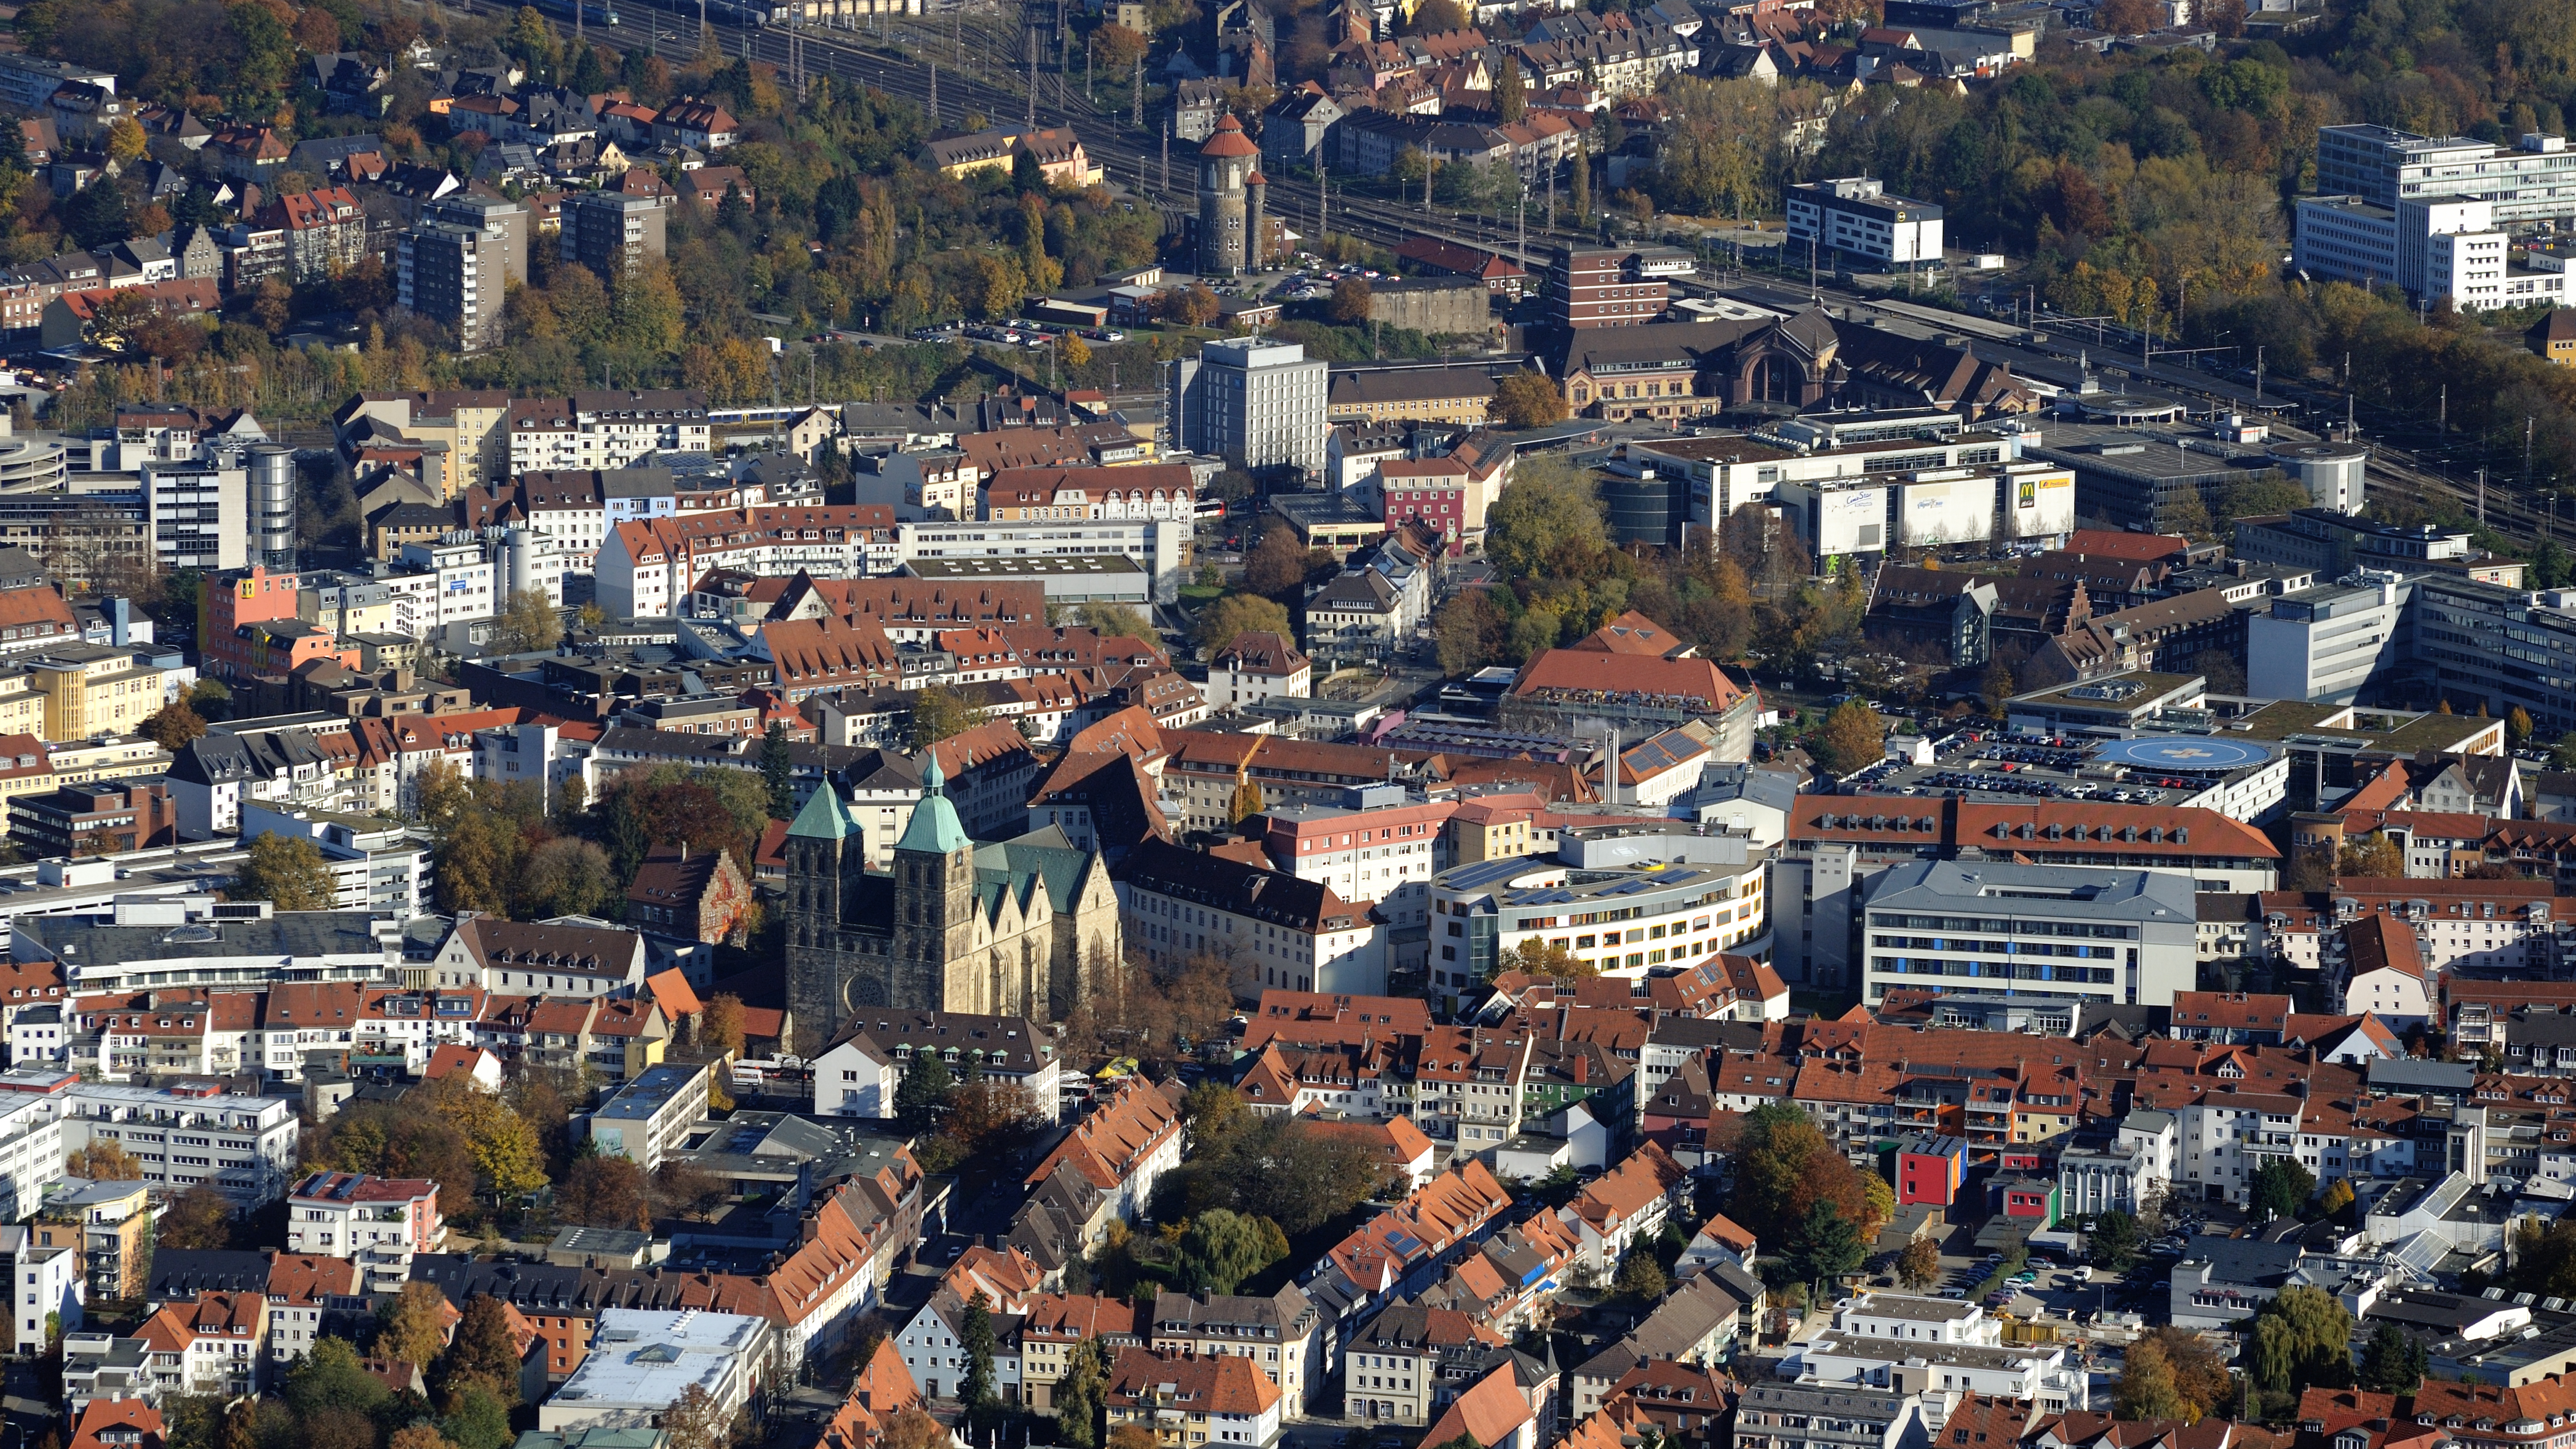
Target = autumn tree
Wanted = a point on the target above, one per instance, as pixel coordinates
(1350, 302)
(1854, 737)
(1544, 958)
(483, 1353)
(1919, 1266)
(2146, 1387)
(408, 1326)
(197, 1218)
(103, 1161)
(1278, 563)
(684, 1189)
(568, 876)
(604, 1192)
(1548, 514)
(506, 1154)
(720, 1027)
(174, 725)
(698, 1421)
(940, 713)
(287, 871)
(1528, 399)
(529, 624)
(2370, 857)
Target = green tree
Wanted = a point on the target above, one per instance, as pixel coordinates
(2302, 1337)
(529, 624)
(567, 876)
(2280, 1187)
(2114, 1240)
(924, 1091)
(1511, 95)
(778, 771)
(477, 1419)
(1854, 737)
(285, 870)
(1827, 1245)
(1081, 1396)
(483, 1353)
(975, 1336)
(1220, 1250)
(1115, 621)
(330, 1377)
(1641, 1280)
(940, 713)
(1235, 614)
(2393, 1362)
(1550, 513)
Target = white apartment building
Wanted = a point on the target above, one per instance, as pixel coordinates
(605, 429)
(2532, 180)
(641, 1361)
(33, 1101)
(1156, 545)
(377, 1222)
(1856, 216)
(43, 1282)
(1258, 404)
(2095, 933)
(437, 584)
(1954, 1344)
(651, 1115)
(243, 1147)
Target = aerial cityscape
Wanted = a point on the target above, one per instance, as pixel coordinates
(1288, 724)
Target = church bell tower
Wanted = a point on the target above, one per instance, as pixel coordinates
(935, 914)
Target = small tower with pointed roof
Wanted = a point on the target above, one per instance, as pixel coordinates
(1229, 201)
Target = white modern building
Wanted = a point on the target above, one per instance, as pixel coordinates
(642, 1360)
(1951, 1348)
(2094, 933)
(2325, 644)
(1257, 404)
(1155, 545)
(200, 514)
(2436, 248)
(651, 1116)
(44, 1281)
(1854, 215)
(2532, 180)
(242, 1147)
(1621, 923)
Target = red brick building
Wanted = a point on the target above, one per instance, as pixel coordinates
(700, 894)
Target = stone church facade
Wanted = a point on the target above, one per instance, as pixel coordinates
(1004, 928)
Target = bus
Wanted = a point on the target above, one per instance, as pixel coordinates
(1210, 508)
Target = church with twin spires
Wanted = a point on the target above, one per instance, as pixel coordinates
(998, 928)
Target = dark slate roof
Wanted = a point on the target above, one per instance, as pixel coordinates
(295, 933)
(183, 1273)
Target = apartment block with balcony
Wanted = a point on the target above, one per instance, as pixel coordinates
(242, 1147)
(378, 1222)
(111, 1224)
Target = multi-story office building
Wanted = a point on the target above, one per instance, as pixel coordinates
(2099, 934)
(2436, 248)
(2500, 647)
(1620, 922)
(651, 1116)
(2326, 644)
(1612, 287)
(242, 1147)
(612, 233)
(1854, 216)
(1258, 405)
(200, 514)
(2530, 181)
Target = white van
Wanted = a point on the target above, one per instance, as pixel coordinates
(2084, 1273)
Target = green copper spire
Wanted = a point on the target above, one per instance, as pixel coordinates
(934, 828)
(824, 817)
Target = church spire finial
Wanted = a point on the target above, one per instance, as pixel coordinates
(932, 780)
